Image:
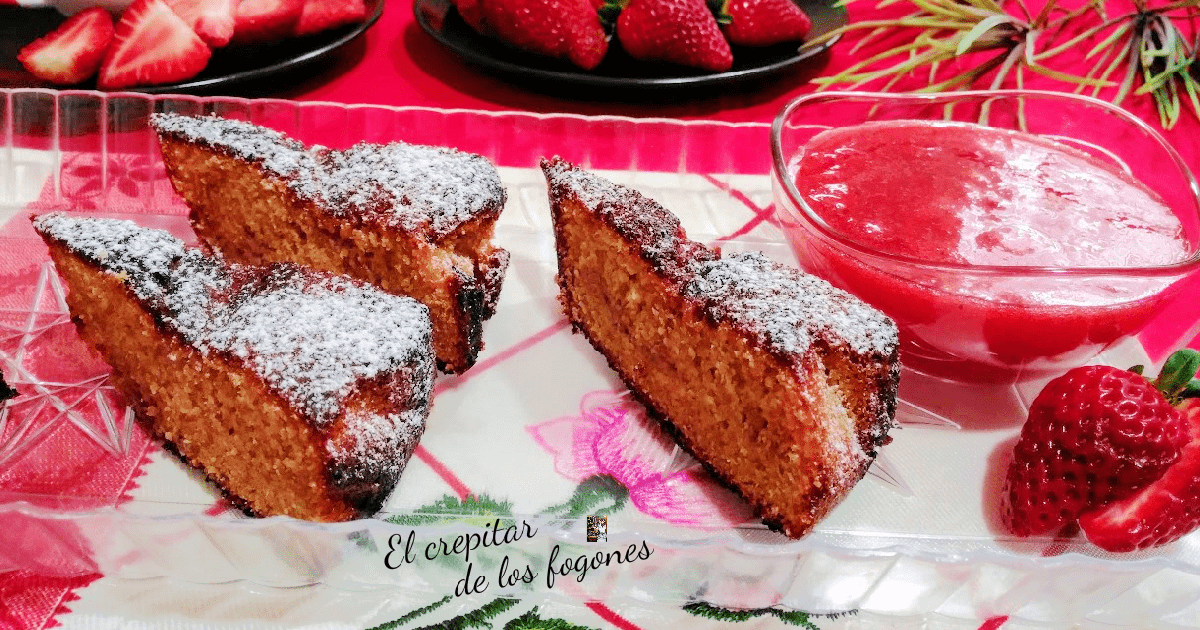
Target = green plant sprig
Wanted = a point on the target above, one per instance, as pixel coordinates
(1160, 55)
(1157, 58)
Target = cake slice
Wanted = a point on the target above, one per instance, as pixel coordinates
(413, 220)
(297, 392)
(783, 385)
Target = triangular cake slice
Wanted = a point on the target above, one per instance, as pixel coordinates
(299, 393)
(413, 220)
(783, 385)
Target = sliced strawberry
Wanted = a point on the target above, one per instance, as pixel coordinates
(1169, 508)
(72, 52)
(266, 21)
(1163, 512)
(1095, 435)
(323, 15)
(152, 46)
(764, 22)
(676, 31)
(212, 20)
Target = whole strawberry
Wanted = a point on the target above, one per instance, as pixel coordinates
(1169, 508)
(677, 31)
(471, 11)
(763, 22)
(564, 29)
(1095, 435)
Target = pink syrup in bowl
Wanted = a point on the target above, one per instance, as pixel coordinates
(1001, 255)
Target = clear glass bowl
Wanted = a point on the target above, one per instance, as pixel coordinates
(992, 323)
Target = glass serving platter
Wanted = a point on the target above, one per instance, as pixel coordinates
(538, 436)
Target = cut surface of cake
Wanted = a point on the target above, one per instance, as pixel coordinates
(297, 392)
(413, 220)
(783, 385)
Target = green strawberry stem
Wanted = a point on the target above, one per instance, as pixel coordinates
(1177, 380)
(720, 11)
(609, 12)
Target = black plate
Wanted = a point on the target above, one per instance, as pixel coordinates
(619, 70)
(228, 66)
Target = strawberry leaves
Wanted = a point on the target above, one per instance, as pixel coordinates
(1177, 379)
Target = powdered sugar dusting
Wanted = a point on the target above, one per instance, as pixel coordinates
(492, 279)
(275, 152)
(420, 189)
(781, 311)
(376, 448)
(782, 307)
(634, 216)
(144, 256)
(310, 336)
(313, 337)
(786, 308)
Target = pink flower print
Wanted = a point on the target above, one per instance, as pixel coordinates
(612, 436)
(112, 182)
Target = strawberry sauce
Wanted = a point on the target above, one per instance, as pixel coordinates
(970, 195)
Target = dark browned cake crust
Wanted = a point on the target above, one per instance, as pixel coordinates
(297, 392)
(781, 384)
(412, 220)
(6, 392)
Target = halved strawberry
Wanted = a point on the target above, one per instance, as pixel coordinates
(212, 20)
(1163, 512)
(72, 52)
(152, 46)
(1095, 435)
(1169, 508)
(323, 15)
(266, 21)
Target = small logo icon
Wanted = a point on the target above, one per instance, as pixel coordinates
(597, 528)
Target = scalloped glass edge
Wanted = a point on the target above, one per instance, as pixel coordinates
(829, 571)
